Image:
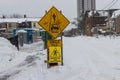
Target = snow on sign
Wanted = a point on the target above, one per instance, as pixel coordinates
(55, 51)
(54, 22)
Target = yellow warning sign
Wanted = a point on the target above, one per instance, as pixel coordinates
(54, 22)
(54, 43)
(55, 54)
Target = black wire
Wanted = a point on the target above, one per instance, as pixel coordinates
(113, 4)
(108, 4)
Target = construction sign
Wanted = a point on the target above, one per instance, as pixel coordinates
(54, 51)
(54, 54)
(54, 22)
(54, 43)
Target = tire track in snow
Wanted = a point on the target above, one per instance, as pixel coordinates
(28, 62)
(97, 65)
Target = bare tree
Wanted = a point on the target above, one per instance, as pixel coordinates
(16, 16)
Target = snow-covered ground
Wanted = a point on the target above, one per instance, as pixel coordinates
(85, 58)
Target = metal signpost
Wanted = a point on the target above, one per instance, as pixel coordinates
(54, 22)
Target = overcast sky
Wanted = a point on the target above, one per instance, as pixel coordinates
(36, 8)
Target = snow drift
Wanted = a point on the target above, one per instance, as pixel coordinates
(85, 58)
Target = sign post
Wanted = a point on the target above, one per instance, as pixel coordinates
(54, 22)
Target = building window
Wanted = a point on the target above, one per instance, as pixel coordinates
(10, 25)
(34, 25)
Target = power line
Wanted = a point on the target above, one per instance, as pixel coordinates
(113, 4)
(108, 4)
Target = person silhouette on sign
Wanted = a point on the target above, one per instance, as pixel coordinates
(55, 52)
(54, 16)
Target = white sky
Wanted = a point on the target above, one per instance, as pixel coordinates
(36, 8)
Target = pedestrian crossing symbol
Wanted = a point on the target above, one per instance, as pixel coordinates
(54, 22)
(54, 54)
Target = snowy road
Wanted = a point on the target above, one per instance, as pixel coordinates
(85, 58)
(97, 59)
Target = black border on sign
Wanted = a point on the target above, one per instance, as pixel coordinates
(61, 14)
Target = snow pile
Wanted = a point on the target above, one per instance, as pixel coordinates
(18, 63)
(7, 52)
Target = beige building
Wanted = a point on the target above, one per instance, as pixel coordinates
(35, 25)
(11, 26)
(7, 25)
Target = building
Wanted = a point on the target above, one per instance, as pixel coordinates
(83, 6)
(96, 22)
(117, 24)
(7, 25)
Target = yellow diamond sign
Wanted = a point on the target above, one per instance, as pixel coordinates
(54, 22)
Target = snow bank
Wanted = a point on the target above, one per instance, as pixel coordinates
(6, 48)
(85, 58)
(7, 52)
